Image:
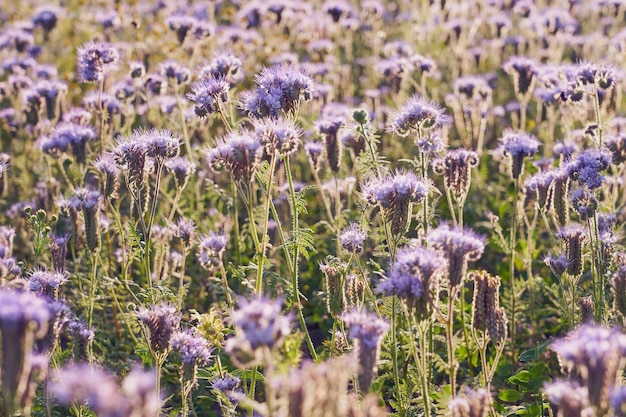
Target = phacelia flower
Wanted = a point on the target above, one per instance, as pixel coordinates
(210, 96)
(396, 195)
(328, 127)
(277, 135)
(573, 235)
(193, 349)
(587, 166)
(414, 277)
(240, 154)
(92, 60)
(458, 245)
(456, 168)
(517, 146)
(260, 323)
(351, 238)
(280, 88)
(159, 323)
(366, 330)
(416, 115)
(584, 203)
(211, 249)
(524, 73)
(472, 404)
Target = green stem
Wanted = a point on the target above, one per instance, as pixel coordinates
(450, 340)
(264, 237)
(512, 243)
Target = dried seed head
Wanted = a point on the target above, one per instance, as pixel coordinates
(486, 299)
(497, 327)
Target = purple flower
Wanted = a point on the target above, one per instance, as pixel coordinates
(193, 349)
(46, 17)
(211, 250)
(21, 311)
(277, 135)
(240, 154)
(46, 283)
(315, 151)
(224, 66)
(585, 203)
(352, 237)
(172, 70)
(573, 235)
(228, 385)
(587, 166)
(159, 323)
(181, 24)
(416, 114)
(328, 127)
(280, 88)
(456, 168)
(210, 95)
(182, 169)
(523, 71)
(93, 58)
(414, 274)
(260, 323)
(458, 245)
(517, 146)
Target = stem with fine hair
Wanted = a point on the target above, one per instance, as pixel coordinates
(264, 238)
(296, 250)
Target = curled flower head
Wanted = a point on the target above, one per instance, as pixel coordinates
(573, 235)
(395, 194)
(211, 250)
(458, 245)
(240, 153)
(415, 115)
(517, 146)
(456, 168)
(352, 237)
(93, 58)
(277, 135)
(584, 203)
(159, 322)
(210, 95)
(524, 73)
(280, 88)
(587, 166)
(46, 283)
(259, 322)
(192, 348)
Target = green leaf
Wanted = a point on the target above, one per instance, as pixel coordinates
(510, 395)
(522, 377)
(537, 370)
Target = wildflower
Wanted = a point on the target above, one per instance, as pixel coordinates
(329, 127)
(240, 153)
(472, 404)
(277, 135)
(160, 144)
(172, 70)
(185, 230)
(367, 331)
(74, 135)
(224, 66)
(182, 169)
(618, 401)
(351, 238)
(572, 399)
(560, 201)
(130, 154)
(46, 283)
(414, 277)
(58, 251)
(456, 168)
(524, 73)
(396, 195)
(93, 58)
(586, 309)
(517, 146)
(194, 352)
(46, 17)
(82, 337)
(228, 385)
(587, 166)
(137, 69)
(333, 270)
(458, 245)
(618, 289)
(159, 323)
(210, 95)
(584, 203)
(557, 264)
(280, 88)
(314, 150)
(111, 173)
(24, 318)
(539, 188)
(617, 145)
(573, 235)
(497, 327)
(596, 354)
(211, 250)
(416, 114)
(486, 299)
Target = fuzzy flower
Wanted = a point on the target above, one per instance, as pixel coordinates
(259, 323)
(587, 166)
(211, 250)
(524, 73)
(472, 404)
(194, 349)
(228, 385)
(414, 277)
(367, 331)
(159, 323)
(584, 203)
(328, 127)
(240, 154)
(352, 237)
(334, 270)
(539, 188)
(93, 58)
(573, 235)
(277, 135)
(160, 144)
(396, 194)
(315, 152)
(46, 283)
(456, 168)
(572, 399)
(416, 114)
(517, 146)
(280, 88)
(210, 95)
(596, 354)
(557, 264)
(459, 246)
